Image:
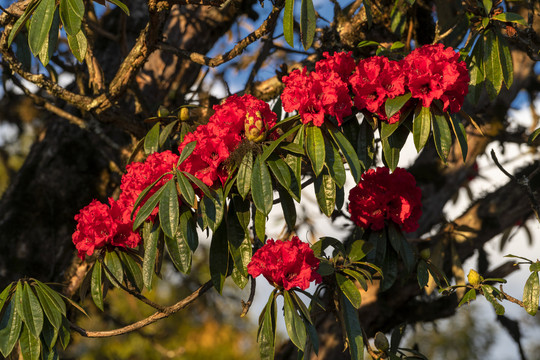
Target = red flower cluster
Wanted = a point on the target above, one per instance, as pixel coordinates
(436, 73)
(380, 196)
(224, 131)
(429, 73)
(321, 92)
(376, 80)
(140, 175)
(99, 225)
(286, 264)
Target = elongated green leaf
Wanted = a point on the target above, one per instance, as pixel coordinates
(72, 12)
(261, 187)
(288, 207)
(243, 182)
(294, 148)
(239, 242)
(54, 297)
(357, 276)
(510, 17)
(49, 308)
(266, 335)
(78, 45)
(307, 23)
(325, 191)
(299, 305)
(5, 295)
(49, 46)
(476, 66)
(10, 329)
(169, 210)
(17, 27)
(507, 63)
(274, 144)
(30, 345)
(422, 274)
(114, 266)
(186, 151)
(23, 53)
(352, 328)
(389, 269)
(531, 294)
(468, 297)
(315, 148)
(40, 24)
(402, 247)
(211, 210)
(358, 249)
(166, 132)
(349, 290)
(96, 288)
(492, 64)
(533, 136)
(188, 194)
(121, 5)
(369, 15)
(281, 171)
(151, 237)
(188, 229)
(49, 335)
(320, 246)
(133, 271)
(392, 106)
(179, 252)
(151, 140)
(288, 22)
(441, 136)
(33, 315)
(421, 128)
(461, 135)
(219, 257)
(349, 153)
(147, 208)
(334, 164)
(293, 322)
(260, 225)
(487, 290)
(488, 5)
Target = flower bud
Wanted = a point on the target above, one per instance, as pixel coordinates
(254, 127)
(183, 114)
(425, 254)
(474, 278)
(381, 342)
(162, 111)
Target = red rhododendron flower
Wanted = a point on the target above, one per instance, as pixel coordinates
(436, 73)
(382, 196)
(140, 175)
(99, 225)
(286, 264)
(224, 131)
(341, 63)
(317, 94)
(376, 80)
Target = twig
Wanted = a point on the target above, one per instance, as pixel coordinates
(139, 296)
(369, 349)
(167, 311)
(201, 59)
(246, 305)
(511, 298)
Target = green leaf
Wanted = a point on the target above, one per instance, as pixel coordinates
(147, 208)
(357, 276)
(300, 306)
(72, 12)
(492, 64)
(531, 294)
(53, 296)
(49, 308)
(179, 252)
(325, 191)
(260, 225)
(261, 187)
(461, 134)
(78, 45)
(188, 229)
(348, 151)
(17, 27)
(392, 146)
(243, 181)
(133, 271)
(48, 338)
(293, 322)
(315, 148)
(288, 207)
(96, 288)
(487, 290)
(320, 246)
(186, 190)
(334, 164)
(389, 269)
(30, 345)
(274, 144)
(364, 43)
(151, 234)
(468, 297)
(121, 5)
(151, 140)
(422, 274)
(307, 23)
(186, 151)
(64, 333)
(359, 249)
(219, 257)
(292, 147)
(488, 5)
(266, 335)
(506, 61)
(441, 136)
(510, 17)
(365, 145)
(369, 15)
(212, 209)
(32, 313)
(169, 210)
(421, 128)
(239, 242)
(353, 331)
(476, 70)
(10, 329)
(282, 172)
(166, 132)
(23, 53)
(288, 22)
(40, 24)
(404, 248)
(114, 265)
(49, 46)
(392, 106)
(349, 290)
(4, 296)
